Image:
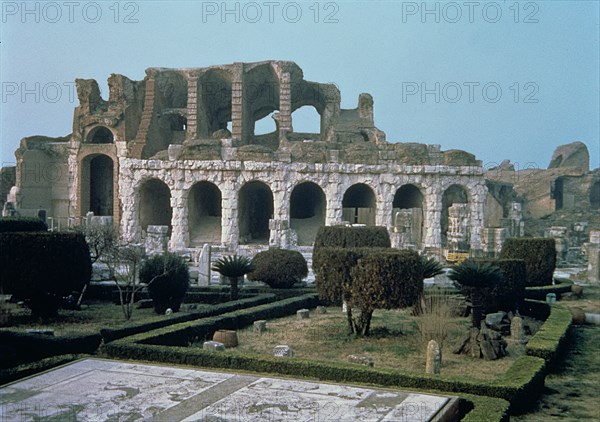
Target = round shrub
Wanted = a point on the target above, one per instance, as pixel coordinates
(539, 255)
(279, 268)
(167, 278)
(41, 268)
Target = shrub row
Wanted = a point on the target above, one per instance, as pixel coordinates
(111, 334)
(27, 369)
(42, 267)
(551, 339)
(19, 347)
(352, 237)
(488, 409)
(22, 224)
(563, 285)
(539, 255)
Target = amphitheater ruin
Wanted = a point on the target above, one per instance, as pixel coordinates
(175, 158)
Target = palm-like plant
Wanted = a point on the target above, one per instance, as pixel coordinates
(478, 277)
(233, 267)
(431, 267)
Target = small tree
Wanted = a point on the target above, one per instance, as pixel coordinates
(385, 280)
(479, 277)
(167, 277)
(233, 267)
(124, 263)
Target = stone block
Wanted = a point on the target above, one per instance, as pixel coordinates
(303, 314)
(260, 326)
(283, 351)
(361, 360)
(433, 361)
(213, 345)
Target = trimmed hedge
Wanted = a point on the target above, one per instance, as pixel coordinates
(352, 237)
(480, 409)
(32, 368)
(22, 224)
(279, 268)
(19, 347)
(43, 267)
(389, 280)
(111, 334)
(539, 255)
(551, 339)
(168, 278)
(563, 285)
(521, 384)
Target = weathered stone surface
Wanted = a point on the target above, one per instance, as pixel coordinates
(213, 345)
(260, 326)
(283, 351)
(433, 361)
(498, 321)
(361, 360)
(303, 314)
(574, 154)
(517, 332)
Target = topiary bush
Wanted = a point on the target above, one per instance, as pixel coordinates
(167, 277)
(347, 237)
(539, 255)
(22, 224)
(279, 268)
(41, 268)
(509, 294)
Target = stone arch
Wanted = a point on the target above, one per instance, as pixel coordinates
(204, 213)
(408, 214)
(255, 209)
(100, 135)
(359, 205)
(261, 98)
(214, 102)
(97, 185)
(307, 211)
(454, 195)
(595, 195)
(306, 121)
(155, 204)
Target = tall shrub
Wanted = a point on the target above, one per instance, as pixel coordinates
(279, 268)
(539, 255)
(41, 268)
(167, 278)
(509, 294)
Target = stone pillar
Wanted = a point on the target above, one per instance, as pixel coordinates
(180, 235)
(559, 234)
(204, 262)
(492, 239)
(285, 105)
(433, 218)
(433, 361)
(593, 255)
(157, 240)
(237, 103)
(192, 108)
(229, 215)
(334, 195)
(475, 217)
(458, 227)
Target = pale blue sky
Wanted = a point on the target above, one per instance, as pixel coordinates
(542, 55)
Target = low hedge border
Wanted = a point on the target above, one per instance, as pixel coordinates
(19, 347)
(563, 285)
(488, 409)
(112, 334)
(524, 380)
(551, 339)
(32, 368)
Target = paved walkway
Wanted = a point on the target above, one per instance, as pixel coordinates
(107, 390)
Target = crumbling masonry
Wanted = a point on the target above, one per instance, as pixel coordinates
(179, 149)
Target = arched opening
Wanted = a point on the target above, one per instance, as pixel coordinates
(155, 204)
(265, 126)
(261, 95)
(306, 122)
(359, 205)
(557, 193)
(455, 218)
(307, 211)
(204, 214)
(595, 196)
(97, 185)
(215, 95)
(100, 135)
(407, 213)
(255, 209)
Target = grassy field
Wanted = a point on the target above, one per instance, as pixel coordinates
(90, 319)
(395, 342)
